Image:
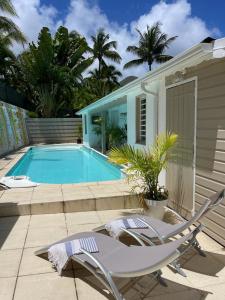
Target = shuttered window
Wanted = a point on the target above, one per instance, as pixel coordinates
(141, 120)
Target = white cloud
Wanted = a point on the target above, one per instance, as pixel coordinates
(86, 18)
(32, 16)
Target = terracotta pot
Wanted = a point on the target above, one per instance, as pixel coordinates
(156, 209)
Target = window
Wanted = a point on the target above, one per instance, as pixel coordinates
(141, 120)
(85, 124)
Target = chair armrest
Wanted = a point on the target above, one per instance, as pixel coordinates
(149, 225)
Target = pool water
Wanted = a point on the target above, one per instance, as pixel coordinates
(65, 164)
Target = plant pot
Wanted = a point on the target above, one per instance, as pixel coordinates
(79, 141)
(156, 209)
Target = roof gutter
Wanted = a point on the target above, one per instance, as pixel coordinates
(205, 49)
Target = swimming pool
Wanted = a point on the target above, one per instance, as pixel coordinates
(65, 164)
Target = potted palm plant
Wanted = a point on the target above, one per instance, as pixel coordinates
(143, 168)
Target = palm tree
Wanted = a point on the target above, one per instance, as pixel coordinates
(7, 57)
(103, 49)
(151, 47)
(145, 166)
(108, 73)
(7, 26)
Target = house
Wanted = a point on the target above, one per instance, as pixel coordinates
(185, 95)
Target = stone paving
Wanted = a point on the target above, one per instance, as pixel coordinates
(23, 276)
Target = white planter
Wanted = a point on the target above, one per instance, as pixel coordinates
(156, 209)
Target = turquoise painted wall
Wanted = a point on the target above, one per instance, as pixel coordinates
(13, 133)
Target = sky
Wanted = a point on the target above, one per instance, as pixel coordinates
(190, 20)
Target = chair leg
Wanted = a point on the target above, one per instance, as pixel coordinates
(158, 277)
(198, 248)
(176, 265)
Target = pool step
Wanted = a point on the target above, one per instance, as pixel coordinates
(13, 203)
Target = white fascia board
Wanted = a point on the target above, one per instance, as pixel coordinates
(219, 48)
(189, 56)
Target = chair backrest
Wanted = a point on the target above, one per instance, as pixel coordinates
(208, 206)
(185, 225)
(215, 200)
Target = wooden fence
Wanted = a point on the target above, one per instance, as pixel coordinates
(54, 130)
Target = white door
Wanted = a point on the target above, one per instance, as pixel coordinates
(180, 116)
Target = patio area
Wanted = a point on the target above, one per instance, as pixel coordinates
(25, 276)
(62, 198)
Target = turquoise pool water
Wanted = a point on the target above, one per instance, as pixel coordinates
(65, 164)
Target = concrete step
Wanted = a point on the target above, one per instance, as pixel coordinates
(34, 201)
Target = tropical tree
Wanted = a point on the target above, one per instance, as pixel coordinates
(51, 70)
(151, 47)
(7, 26)
(9, 33)
(103, 49)
(92, 88)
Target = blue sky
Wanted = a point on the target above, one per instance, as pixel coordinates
(123, 11)
(190, 20)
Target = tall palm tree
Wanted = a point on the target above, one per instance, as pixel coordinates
(104, 49)
(109, 73)
(151, 47)
(7, 26)
(7, 57)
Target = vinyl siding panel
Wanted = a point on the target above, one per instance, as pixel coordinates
(210, 140)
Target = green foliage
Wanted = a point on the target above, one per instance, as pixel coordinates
(151, 47)
(115, 136)
(103, 49)
(9, 33)
(144, 166)
(51, 70)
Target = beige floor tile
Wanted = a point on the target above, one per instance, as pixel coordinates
(82, 218)
(21, 197)
(75, 195)
(85, 291)
(48, 220)
(75, 189)
(15, 222)
(45, 287)
(215, 292)
(107, 188)
(44, 236)
(202, 271)
(12, 240)
(9, 262)
(48, 195)
(20, 190)
(32, 264)
(75, 228)
(48, 187)
(7, 286)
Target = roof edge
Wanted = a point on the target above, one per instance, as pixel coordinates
(202, 47)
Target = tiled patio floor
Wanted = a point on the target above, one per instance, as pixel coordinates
(23, 276)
